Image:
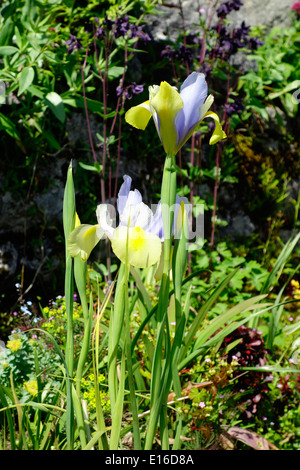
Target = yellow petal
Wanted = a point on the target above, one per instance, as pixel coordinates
(77, 220)
(218, 133)
(83, 239)
(142, 249)
(138, 116)
(167, 102)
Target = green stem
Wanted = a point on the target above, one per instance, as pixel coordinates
(157, 400)
(115, 330)
(134, 407)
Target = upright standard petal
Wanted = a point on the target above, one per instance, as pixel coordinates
(193, 93)
(123, 193)
(167, 102)
(105, 221)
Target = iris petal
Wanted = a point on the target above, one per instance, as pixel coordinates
(139, 116)
(104, 220)
(218, 133)
(123, 193)
(141, 249)
(167, 103)
(193, 93)
(176, 116)
(83, 239)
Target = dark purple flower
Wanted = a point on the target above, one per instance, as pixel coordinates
(226, 7)
(108, 23)
(242, 32)
(138, 32)
(104, 27)
(168, 52)
(255, 43)
(73, 43)
(182, 53)
(229, 42)
(192, 39)
(100, 32)
(236, 107)
(122, 27)
(130, 90)
(185, 54)
(119, 90)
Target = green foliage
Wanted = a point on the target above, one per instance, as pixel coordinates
(89, 394)
(276, 76)
(16, 358)
(55, 320)
(218, 263)
(102, 363)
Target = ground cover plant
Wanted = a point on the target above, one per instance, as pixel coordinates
(165, 335)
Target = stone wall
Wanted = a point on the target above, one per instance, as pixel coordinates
(168, 24)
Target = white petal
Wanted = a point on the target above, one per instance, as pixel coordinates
(106, 220)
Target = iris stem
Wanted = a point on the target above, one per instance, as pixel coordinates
(134, 407)
(158, 407)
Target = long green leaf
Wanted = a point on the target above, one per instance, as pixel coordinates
(202, 312)
(226, 317)
(154, 308)
(280, 263)
(10, 418)
(68, 225)
(117, 415)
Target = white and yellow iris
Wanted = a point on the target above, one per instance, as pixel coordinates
(135, 241)
(176, 115)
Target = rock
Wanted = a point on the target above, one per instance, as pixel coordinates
(168, 24)
(8, 260)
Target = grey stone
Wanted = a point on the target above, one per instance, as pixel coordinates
(168, 24)
(8, 259)
(239, 225)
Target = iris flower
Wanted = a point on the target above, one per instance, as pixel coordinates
(136, 240)
(176, 115)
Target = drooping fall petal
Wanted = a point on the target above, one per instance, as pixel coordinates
(139, 116)
(136, 247)
(218, 133)
(83, 239)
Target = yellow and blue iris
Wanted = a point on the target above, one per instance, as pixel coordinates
(176, 115)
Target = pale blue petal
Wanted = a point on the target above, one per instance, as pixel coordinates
(123, 193)
(156, 226)
(193, 93)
